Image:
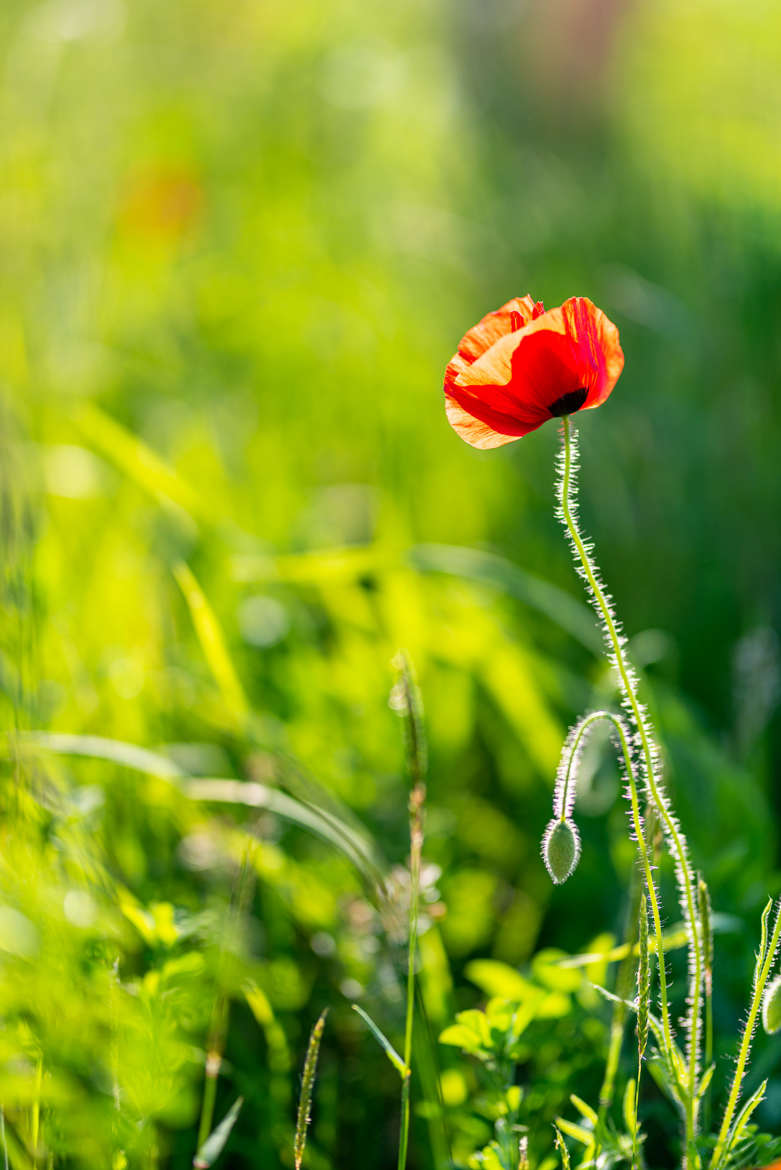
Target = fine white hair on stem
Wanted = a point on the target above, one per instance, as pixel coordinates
(645, 749)
(572, 752)
(563, 808)
(766, 957)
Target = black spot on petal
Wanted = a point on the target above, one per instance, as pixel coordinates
(568, 403)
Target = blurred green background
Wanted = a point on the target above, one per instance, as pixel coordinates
(240, 244)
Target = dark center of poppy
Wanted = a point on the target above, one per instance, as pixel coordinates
(568, 403)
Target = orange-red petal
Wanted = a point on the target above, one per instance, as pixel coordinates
(564, 360)
(508, 319)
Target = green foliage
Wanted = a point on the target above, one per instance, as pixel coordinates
(240, 244)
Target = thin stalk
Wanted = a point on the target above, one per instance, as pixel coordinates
(304, 1114)
(615, 643)
(767, 953)
(643, 1007)
(405, 699)
(706, 918)
(620, 1012)
(217, 1031)
(36, 1117)
(417, 798)
(218, 1025)
(2, 1139)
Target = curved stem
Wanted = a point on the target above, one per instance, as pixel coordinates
(645, 859)
(615, 643)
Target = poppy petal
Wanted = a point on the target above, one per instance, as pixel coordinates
(483, 424)
(545, 368)
(598, 344)
(555, 363)
(508, 319)
(580, 338)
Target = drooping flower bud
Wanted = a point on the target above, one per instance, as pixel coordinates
(561, 849)
(771, 1007)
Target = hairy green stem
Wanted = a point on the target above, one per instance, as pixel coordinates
(706, 920)
(615, 645)
(767, 953)
(643, 851)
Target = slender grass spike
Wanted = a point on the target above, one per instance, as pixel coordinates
(303, 1117)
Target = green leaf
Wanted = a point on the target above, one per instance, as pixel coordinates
(139, 462)
(707, 1077)
(630, 1116)
(578, 1132)
(584, 1110)
(488, 568)
(460, 1036)
(384, 1042)
(212, 642)
(743, 1118)
(215, 1143)
(548, 968)
(495, 978)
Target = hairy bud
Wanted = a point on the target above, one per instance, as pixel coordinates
(561, 849)
(771, 1007)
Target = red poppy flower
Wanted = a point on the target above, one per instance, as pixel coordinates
(521, 366)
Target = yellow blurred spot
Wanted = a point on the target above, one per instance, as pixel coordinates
(453, 1086)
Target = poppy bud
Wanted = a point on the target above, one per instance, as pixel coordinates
(561, 849)
(771, 1007)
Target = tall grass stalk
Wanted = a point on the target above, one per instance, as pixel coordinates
(3, 1139)
(218, 1025)
(35, 1138)
(304, 1114)
(651, 771)
(620, 1012)
(417, 798)
(406, 700)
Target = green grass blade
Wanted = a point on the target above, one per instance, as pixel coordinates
(383, 1041)
(215, 1143)
(219, 791)
(489, 569)
(213, 644)
(97, 747)
(138, 461)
